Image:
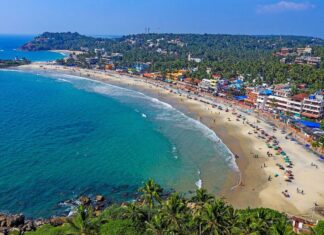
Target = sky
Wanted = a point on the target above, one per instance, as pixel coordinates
(121, 17)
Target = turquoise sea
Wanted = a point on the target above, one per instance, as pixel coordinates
(62, 136)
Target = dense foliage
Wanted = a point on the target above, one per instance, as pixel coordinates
(201, 214)
(229, 55)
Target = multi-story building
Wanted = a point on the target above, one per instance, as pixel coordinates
(302, 104)
(252, 97)
(204, 85)
(284, 104)
(208, 85)
(213, 84)
(313, 107)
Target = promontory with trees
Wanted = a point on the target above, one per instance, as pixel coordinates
(202, 55)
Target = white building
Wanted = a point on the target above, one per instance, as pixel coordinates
(197, 60)
(284, 104)
(204, 85)
(313, 107)
(310, 107)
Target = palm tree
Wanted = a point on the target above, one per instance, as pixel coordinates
(83, 222)
(282, 227)
(257, 222)
(174, 210)
(199, 200)
(319, 229)
(134, 213)
(151, 193)
(201, 197)
(262, 221)
(157, 225)
(217, 218)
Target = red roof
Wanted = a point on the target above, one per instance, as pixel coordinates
(197, 81)
(217, 75)
(189, 80)
(299, 97)
(309, 115)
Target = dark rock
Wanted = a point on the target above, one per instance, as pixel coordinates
(100, 198)
(57, 221)
(15, 220)
(85, 200)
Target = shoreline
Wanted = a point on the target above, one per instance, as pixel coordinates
(66, 53)
(254, 190)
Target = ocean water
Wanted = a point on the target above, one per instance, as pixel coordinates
(62, 136)
(9, 45)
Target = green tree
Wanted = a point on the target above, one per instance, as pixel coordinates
(202, 196)
(84, 222)
(157, 225)
(282, 227)
(217, 218)
(151, 193)
(135, 214)
(319, 229)
(174, 210)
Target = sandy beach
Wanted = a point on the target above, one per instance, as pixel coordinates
(261, 182)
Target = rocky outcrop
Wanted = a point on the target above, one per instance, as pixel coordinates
(12, 220)
(10, 223)
(100, 198)
(84, 200)
(57, 221)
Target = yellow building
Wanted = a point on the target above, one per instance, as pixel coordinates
(175, 75)
(213, 83)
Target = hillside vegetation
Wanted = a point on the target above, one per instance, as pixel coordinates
(152, 214)
(229, 55)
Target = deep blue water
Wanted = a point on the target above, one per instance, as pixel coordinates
(63, 136)
(9, 45)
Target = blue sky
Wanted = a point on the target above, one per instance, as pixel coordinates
(118, 17)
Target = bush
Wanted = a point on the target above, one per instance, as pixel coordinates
(117, 227)
(51, 230)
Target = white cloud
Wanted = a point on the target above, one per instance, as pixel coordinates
(283, 6)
